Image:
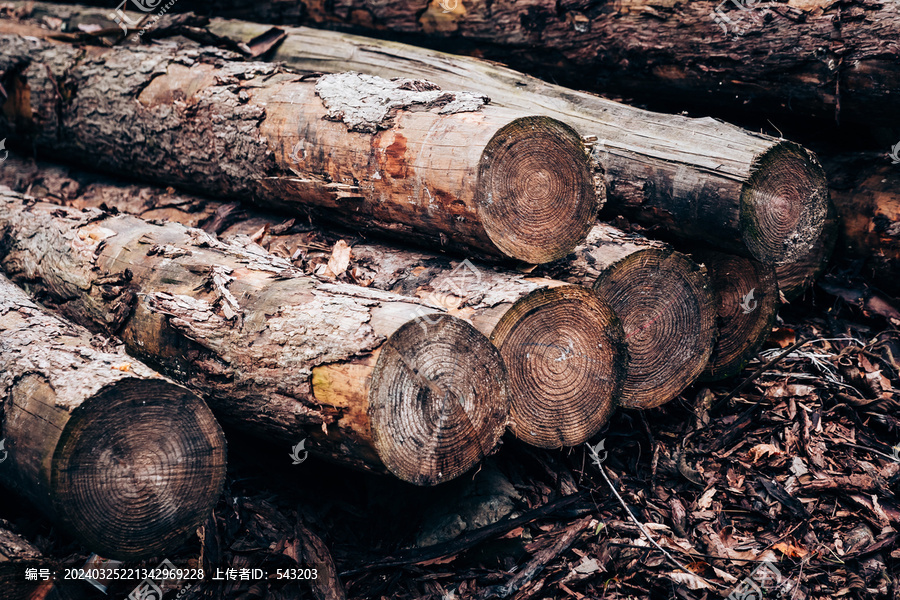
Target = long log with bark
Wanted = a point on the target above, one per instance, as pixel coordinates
(401, 157)
(696, 178)
(374, 379)
(818, 59)
(82, 429)
(562, 345)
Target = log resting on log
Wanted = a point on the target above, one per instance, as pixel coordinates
(125, 460)
(276, 353)
(739, 191)
(402, 157)
(563, 347)
(747, 303)
(666, 304)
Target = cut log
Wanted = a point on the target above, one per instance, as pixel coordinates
(562, 345)
(82, 429)
(747, 303)
(666, 304)
(701, 179)
(276, 353)
(401, 157)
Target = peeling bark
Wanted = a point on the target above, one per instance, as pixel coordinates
(82, 428)
(409, 160)
(374, 379)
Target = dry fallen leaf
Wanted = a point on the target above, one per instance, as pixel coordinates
(124, 367)
(790, 550)
(761, 450)
(339, 261)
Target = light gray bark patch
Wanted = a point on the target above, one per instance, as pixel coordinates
(367, 103)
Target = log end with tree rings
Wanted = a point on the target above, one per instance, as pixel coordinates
(138, 466)
(783, 204)
(747, 302)
(667, 307)
(536, 194)
(438, 399)
(565, 353)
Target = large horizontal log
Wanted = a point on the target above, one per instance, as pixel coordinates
(562, 345)
(276, 353)
(81, 427)
(696, 178)
(400, 157)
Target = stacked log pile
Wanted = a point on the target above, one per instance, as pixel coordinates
(390, 254)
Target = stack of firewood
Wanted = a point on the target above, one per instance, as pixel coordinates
(390, 252)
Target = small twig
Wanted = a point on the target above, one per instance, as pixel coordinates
(596, 459)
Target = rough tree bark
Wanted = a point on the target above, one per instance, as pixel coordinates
(276, 353)
(17, 554)
(562, 345)
(747, 303)
(401, 157)
(82, 429)
(740, 191)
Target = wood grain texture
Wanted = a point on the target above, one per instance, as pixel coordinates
(401, 157)
(666, 303)
(370, 377)
(128, 462)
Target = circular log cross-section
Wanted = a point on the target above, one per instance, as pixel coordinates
(437, 405)
(536, 196)
(747, 302)
(664, 300)
(126, 461)
(135, 468)
(783, 204)
(667, 310)
(566, 360)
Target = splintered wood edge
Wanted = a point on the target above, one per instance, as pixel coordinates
(741, 333)
(783, 204)
(795, 277)
(667, 307)
(138, 467)
(537, 195)
(438, 400)
(565, 353)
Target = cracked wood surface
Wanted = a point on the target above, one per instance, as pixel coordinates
(374, 379)
(81, 422)
(444, 168)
